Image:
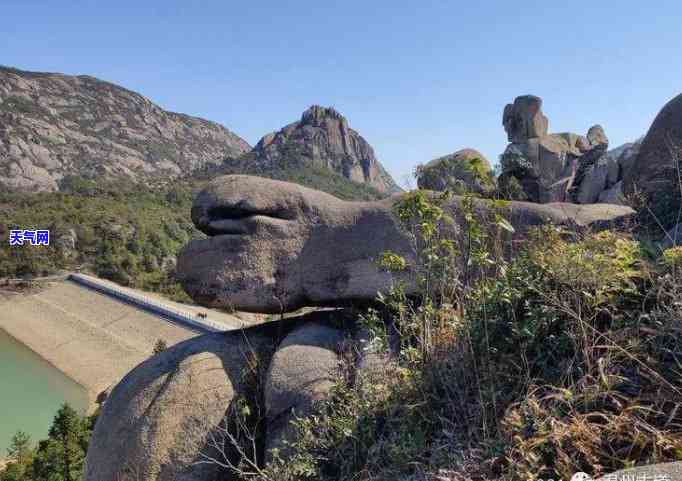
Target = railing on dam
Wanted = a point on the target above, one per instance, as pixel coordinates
(201, 324)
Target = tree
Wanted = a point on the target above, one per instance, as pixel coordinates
(160, 346)
(20, 454)
(19, 449)
(61, 456)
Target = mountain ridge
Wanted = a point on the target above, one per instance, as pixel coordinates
(54, 125)
(57, 128)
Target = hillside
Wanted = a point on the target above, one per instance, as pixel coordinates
(117, 230)
(54, 125)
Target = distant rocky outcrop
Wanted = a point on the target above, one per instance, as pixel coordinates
(608, 176)
(655, 172)
(466, 170)
(550, 167)
(54, 125)
(322, 139)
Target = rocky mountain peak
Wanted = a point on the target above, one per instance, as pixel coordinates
(323, 139)
(316, 115)
(54, 125)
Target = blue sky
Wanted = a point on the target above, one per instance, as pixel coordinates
(417, 79)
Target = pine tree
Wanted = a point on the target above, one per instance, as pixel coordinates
(61, 456)
(20, 450)
(21, 455)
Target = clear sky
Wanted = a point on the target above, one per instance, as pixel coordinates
(417, 79)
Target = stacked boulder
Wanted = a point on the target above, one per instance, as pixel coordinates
(563, 167)
(274, 247)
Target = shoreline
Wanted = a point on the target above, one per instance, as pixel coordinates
(91, 401)
(91, 338)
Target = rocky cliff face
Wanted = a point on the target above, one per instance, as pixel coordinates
(323, 139)
(54, 125)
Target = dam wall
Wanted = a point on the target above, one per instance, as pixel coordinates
(189, 320)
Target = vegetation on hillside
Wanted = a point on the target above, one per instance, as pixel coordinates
(124, 232)
(293, 168)
(60, 457)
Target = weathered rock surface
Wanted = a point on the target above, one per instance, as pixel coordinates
(323, 139)
(613, 195)
(54, 125)
(655, 169)
(590, 176)
(277, 246)
(551, 167)
(524, 120)
(164, 417)
(603, 182)
(302, 373)
(466, 170)
(597, 136)
(155, 424)
(623, 157)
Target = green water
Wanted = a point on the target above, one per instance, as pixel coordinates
(31, 392)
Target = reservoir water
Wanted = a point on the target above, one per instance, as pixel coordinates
(31, 392)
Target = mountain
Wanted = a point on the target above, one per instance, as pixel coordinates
(626, 149)
(53, 126)
(320, 144)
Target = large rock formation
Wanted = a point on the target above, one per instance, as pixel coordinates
(466, 170)
(605, 180)
(561, 167)
(171, 417)
(656, 170)
(322, 139)
(275, 246)
(524, 119)
(157, 422)
(622, 158)
(54, 125)
(301, 374)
